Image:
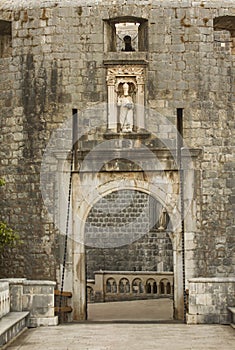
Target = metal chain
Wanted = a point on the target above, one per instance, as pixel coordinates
(183, 232)
(181, 176)
(66, 236)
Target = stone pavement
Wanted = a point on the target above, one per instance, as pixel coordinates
(127, 336)
(135, 310)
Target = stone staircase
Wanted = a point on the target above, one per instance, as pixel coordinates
(232, 312)
(12, 325)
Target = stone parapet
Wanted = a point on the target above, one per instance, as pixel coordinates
(4, 299)
(209, 299)
(37, 297)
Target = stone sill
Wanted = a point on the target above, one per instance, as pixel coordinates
(39, 283)
(138, 152)
(121, 57)
(13, 280)
(133, 272)
(127, 135)
(25, 282)
(212, 280)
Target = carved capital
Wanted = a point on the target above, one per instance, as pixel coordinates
(111, 78)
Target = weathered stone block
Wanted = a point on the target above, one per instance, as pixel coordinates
(212, 305)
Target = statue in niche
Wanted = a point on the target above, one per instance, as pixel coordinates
(125, 102)
(163, 220)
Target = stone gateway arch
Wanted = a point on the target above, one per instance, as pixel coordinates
(99, 100)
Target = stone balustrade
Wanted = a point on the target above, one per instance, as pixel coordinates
(37, 297)
(4, 299)
(129, 285)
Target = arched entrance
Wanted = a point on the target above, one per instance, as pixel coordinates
(166, 195)
(129, 256)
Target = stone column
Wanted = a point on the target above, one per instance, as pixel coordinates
(178, 277)
(61, 204)
(78, 258)
(140, 112)
(112, 105)
(99, 286)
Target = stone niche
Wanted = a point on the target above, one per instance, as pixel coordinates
(118, 28)
(5, 39)
(126, 98)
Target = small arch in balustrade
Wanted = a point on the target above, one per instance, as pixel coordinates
(154, 287)
(162, 287)
(137, 286)
(111, 286)
(168, 288)
(151, 286)
(124, 286)
(165, 286)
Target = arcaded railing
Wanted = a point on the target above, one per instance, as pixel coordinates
(4, 299)
(128, 285)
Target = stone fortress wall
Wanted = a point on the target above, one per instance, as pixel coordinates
(147, 248)
(57, 60)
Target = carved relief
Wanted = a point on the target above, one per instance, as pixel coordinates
(125, 70)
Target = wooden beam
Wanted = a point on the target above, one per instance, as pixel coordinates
(63, 309)
(64, 294)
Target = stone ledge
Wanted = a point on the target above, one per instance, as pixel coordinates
(134, 272)
(122, 57)
(10, 319)
(28, 282)
(34, 322)
(39, 283)
(128, 135)
(11, 325)
(212, 280)
(13, 280)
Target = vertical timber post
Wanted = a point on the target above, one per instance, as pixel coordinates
(181, 172)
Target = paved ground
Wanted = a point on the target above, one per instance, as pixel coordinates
(138, 310)
(131, 336)
(126, 335)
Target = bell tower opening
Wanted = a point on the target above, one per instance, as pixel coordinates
(125, 34)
